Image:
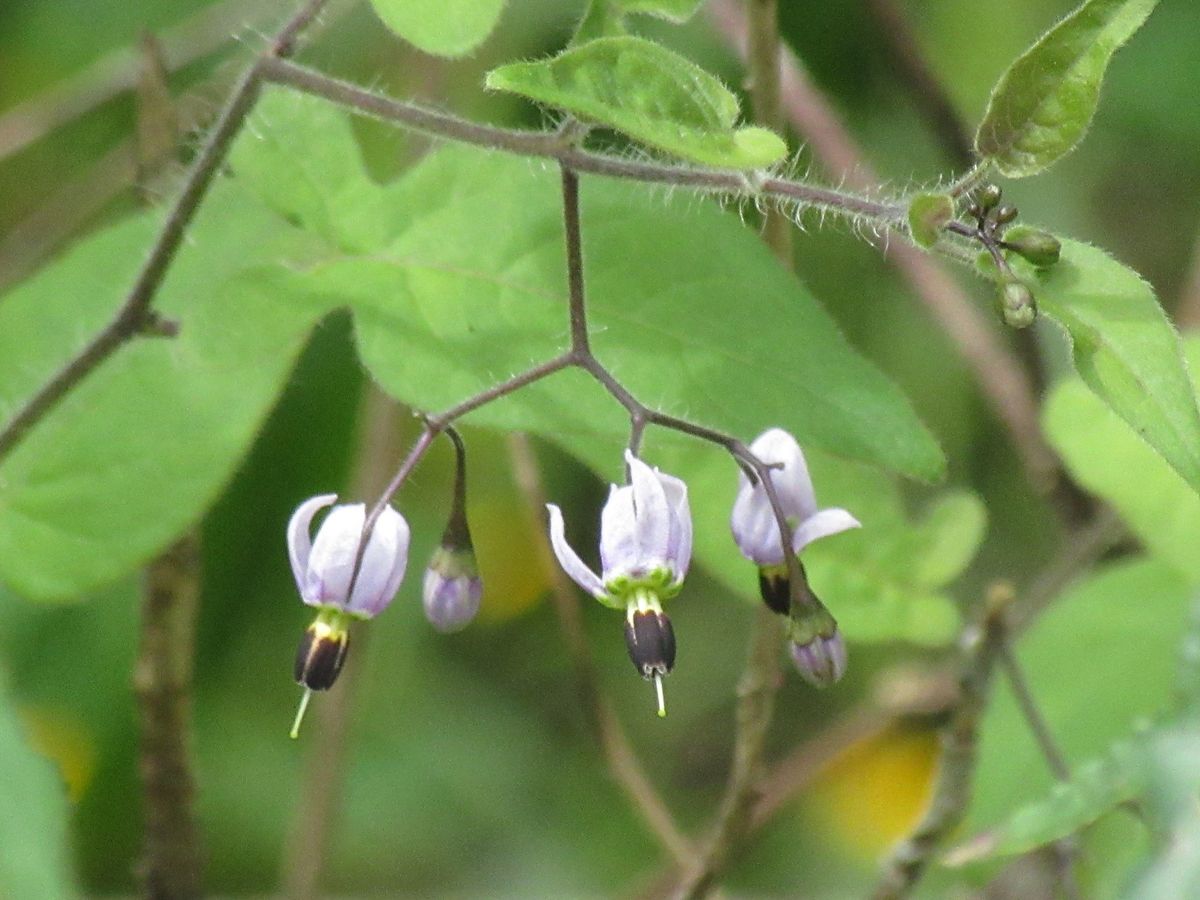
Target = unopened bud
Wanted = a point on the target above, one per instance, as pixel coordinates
(452, 589)
(987, 197)
(1005, 214)
(817, 647)
(1039, 247)
(1016, 305)
(651, 643)
(822, 661)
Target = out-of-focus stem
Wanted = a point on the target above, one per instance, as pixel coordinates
(170, 866)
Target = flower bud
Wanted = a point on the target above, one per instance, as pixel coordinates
(1039, 247)
(822, 661)
(452, 589)
(1005, 214)
(987, 197)
(817, 647)
(1016, 305)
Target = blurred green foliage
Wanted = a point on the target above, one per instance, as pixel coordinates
(471, 771)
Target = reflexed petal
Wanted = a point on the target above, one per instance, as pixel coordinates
(792, 482)
(679, 546)
(652, 514)
(383, 565)
(754, 527)
(331, 562)
(568, 558)
(825, 523)
(619, 550)
(298, 539)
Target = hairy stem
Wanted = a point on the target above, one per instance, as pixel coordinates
(170, 866)
(135, 316)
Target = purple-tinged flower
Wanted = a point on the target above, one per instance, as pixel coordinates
(645, 550)
(816, 645)
(452, 590)
(325, 568)
(330, 577)
(753, 522)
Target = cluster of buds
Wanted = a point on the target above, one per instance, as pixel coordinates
(816, 644)
(1015, 303)
(348, 575)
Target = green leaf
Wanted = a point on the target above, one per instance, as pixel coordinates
(33, 817)
(1101, 451)
(1117, 634)
(883, 582)
(927, 215)
(1124, 348)
(1097, 787)
(688, 308)
(1043, 104)
(442, 27)
(137, 452)
(648, 92)
(606, 18)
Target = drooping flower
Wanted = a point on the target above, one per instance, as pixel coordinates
(816, 645)
(331, 577)
(753, 522)
(452, 589)
(645, 550)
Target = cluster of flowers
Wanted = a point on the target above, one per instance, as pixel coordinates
(645, 551)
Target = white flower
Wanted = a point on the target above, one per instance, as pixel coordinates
(645, 539)
(753, 521)
(324, 568)
(452, 589)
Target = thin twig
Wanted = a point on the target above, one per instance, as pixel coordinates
(980, 647)
(1065, 850)
(623, 764)
(171, 861)
(135, 317)
(997, 370)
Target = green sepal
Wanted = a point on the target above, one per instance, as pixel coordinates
(927, 216)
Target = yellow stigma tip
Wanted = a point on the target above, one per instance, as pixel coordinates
(295, 732)
(662, 703)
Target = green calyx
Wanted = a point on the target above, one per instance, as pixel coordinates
(451, 562)
(625, 592)
(333, 621)
(814, 621)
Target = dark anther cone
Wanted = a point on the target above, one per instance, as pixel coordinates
(320, 658)
(651, 642)
(776, 589)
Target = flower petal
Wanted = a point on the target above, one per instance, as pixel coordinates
(679, 545)
(792, 482)
(383, 565)
(619, 550)
(568, 558)
(823, 524)
(651, 512)
(299, 540)
(331, 562)
(754, 527)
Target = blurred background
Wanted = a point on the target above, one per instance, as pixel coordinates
(469, 769)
